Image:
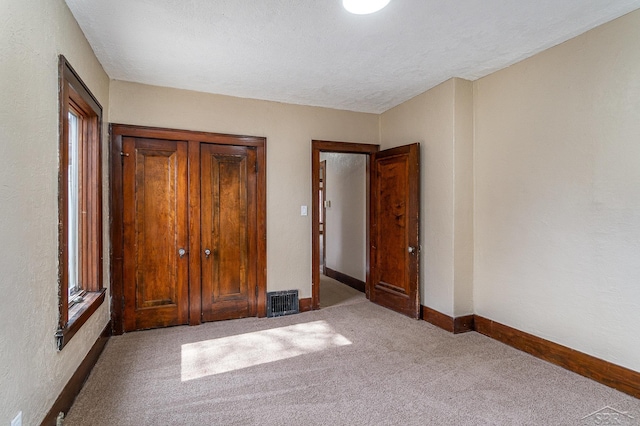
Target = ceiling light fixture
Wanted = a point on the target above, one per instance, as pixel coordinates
(364, 7)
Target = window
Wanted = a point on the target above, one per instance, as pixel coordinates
(79, 205)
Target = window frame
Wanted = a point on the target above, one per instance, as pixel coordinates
(76, 97)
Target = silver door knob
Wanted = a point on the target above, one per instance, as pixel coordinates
(182, 252)
(207, 253)
(411, 249)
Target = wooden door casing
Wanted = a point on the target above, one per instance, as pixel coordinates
(156, 229)
(228, 219)
(318, 146)
(395, 230)
(188, 143)
(322, 182)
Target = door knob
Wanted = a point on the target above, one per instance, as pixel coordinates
(207, 252)
(412, 249)
(182, 252)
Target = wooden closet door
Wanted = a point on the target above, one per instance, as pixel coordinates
(155, 272)
(228, 231)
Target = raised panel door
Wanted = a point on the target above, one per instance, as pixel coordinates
(395, 229)
(155, 233)
(228, 231)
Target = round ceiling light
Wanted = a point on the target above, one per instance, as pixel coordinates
(363, 7)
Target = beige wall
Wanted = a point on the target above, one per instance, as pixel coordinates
(557, 193)
(32, 371)
(289, 130)
(441, 120)
(346, 220)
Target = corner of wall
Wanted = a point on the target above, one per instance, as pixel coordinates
(463, 197)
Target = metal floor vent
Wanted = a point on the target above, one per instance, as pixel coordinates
(281, 303)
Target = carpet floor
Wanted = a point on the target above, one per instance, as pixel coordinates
(350, 363)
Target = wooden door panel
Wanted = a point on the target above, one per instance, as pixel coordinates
(155, 229)
(230, 235)
(392, 208)
(395, 229)
(228, 226)
(155, 210)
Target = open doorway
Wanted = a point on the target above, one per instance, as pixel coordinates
(392, 223)
(343, 221)
(340, 226)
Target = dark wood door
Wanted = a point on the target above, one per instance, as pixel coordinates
(322, 184)
(228, 227)
(158, 208)
(395, 219)
(155, 273)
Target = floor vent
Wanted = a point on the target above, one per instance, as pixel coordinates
(281, 303)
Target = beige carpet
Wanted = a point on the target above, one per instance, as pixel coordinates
(334, 293)
(353, 363)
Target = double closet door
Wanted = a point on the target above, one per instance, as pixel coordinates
(190, 231)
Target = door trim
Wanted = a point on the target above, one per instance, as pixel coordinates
(116, 228)
(318, 146)
(323, 208)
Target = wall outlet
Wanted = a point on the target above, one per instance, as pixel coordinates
(17, 420)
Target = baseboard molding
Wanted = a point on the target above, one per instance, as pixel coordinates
(601, 371)
(74, 385)
(345, 279)
(463, 324)
(305, 305)
(452, 325)
(612, 375)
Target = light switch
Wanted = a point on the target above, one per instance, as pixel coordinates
(303, 210)
(17, 421)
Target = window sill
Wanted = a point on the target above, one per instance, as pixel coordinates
(78, 315)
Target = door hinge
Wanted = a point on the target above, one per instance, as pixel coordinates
(256, 290)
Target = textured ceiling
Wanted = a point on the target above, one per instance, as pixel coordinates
(313, 52)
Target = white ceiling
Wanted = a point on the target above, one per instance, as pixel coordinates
(313, 52)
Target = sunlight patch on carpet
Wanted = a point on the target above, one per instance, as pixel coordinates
(209, 357)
